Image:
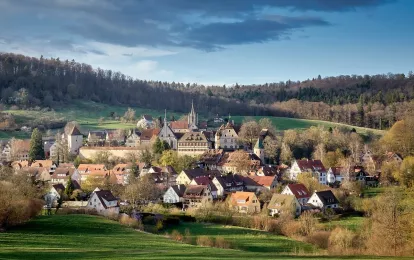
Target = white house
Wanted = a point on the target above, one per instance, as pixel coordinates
(226, 137)
(146, 122)
(104, 202)
(133, 139)
(228, 183)
(324, 200)
(299, 191)
(315, 167)
(54, 194)
(335, 174)
(174, 194)
(282, 203)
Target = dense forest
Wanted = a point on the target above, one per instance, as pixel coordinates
(372, 101)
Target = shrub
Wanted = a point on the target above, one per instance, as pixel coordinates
(221, 243)
(159, 225)
(130, 222)
(187, 237)
(341, 240)
(175, 235)
(319, 238)
(205, 241)
(290, 228)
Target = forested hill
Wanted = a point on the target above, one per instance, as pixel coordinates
(28, 82)
(371, 101)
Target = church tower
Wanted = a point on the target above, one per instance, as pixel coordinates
(192, 118)
(259, 149)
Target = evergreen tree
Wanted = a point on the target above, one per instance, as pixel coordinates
(69, 188)
(159, 146)
(36, 151)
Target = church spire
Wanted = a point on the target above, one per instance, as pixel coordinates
(192, 107)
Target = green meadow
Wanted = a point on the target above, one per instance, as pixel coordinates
(84, 237)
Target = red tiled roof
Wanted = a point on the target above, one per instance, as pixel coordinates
(263, 180)
(311, 165)
(147, 134)
(299, 190)
(179, 124)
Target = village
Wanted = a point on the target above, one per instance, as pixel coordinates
(220, 168)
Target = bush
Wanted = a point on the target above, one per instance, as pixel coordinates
(70, 211)
(319, 238)
(204, 241)
(341, 240)
(130, 222)
(222, 243)
(290, 228)
(175, 235)
(187, 237)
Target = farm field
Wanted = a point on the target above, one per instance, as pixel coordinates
(286, 123)
(90, 237)
(87, 114)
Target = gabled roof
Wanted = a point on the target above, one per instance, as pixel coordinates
(212, 156)
(90, 167)
(147, 134)
(242, 198)
(311, 165)
(327, 197)
(205, 181)
(194, 191)
(280, 201)
(120, 168)
(233, 180)
(179, 189)
(196, 172)
(66, 165)
(265, 181)
(194, 137)
(97, 134)
(337, 171)
(42, 163)
(105, 195)
(75, 131)
(299, 190)
(57, 174)
(21, 145)
(269, 170)
(59, 187)
(179, 124)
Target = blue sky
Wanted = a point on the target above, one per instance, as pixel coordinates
(216, 41)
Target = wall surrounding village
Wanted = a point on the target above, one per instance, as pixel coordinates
(122, 152)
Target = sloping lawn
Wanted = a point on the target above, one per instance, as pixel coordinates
(88, 237)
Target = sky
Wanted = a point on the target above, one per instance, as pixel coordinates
(216, 41)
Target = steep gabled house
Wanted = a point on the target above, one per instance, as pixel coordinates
(226, 138)
(133, 139)
(197, 196)
(267, 182)
(174, 194)
(299, 191)
(53, 195)
(315, 167)
(61, 175)
(282, 203)
(104, 202)
(211, 158)
(244, 202)
(207, 182)
(324, 200)
(179, 126)
(228, 183)
(335, 174)
(85, 168)
(114, 137)
(229, 162)
(122, 172)
(148, 136)
(20, 149)
(186, 176)
(193, 144)
(96, 138)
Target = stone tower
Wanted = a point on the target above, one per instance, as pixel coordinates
(259, 149)
(192, 118)
(75, 140)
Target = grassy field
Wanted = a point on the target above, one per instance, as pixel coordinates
(352, 223)
(246, 239)
(87, 114)
(87, 237)
(284, 123)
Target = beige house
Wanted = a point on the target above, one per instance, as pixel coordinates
(197, 196)
(245, 202)
(226, 138)
(282, 203)
(186, 176)
(193, 144)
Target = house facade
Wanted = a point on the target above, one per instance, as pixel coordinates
(133, 139)
(244, 202)
(226, 138)
(335, 174)
(174, 194)
(315, 167)
(75, 140)
(186, 176)
(228, 183)
(324, 200)
(282, 203)
(104, 202)
(193, 144)
(197, 196)
(298, 190)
